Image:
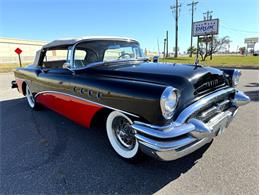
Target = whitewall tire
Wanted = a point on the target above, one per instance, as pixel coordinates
(121, 135)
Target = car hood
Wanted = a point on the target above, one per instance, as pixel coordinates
(175, 75)
(186, 78)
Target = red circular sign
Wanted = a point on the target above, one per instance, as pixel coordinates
(18, 50)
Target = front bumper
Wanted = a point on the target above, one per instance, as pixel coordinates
(189, 133)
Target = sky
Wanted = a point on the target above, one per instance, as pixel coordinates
(144, 20)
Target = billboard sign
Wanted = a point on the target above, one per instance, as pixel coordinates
(251, 40)
(205, 39)
(207, 27)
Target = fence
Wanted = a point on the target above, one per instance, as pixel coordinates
(29, 48)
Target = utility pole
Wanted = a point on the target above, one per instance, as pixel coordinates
(158, 47)
(193, 5)
(164, 45)
(175, 8)
(167, 54)
(207, 15)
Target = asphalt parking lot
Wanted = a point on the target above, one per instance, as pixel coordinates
(43, 152)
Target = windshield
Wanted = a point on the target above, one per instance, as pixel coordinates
(90, 52)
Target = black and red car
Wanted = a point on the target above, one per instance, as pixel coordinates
(163, 110)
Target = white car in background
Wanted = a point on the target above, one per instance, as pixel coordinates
(256, 50)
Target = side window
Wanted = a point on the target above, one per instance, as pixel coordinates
(84, 57)
(55, 58)
(80, 58)
(84, 54)
(111, 54)
(80, 54)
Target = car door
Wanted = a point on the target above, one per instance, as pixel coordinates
(51, 73)
(56, 86)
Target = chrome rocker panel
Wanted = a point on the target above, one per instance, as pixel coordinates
(187, 134)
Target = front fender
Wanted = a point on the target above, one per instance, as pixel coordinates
(135, 97)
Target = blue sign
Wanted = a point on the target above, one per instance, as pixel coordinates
(207, 27)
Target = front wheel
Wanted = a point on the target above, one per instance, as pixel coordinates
(121, 136)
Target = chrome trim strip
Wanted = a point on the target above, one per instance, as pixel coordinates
(89, 101)
(165, 145)
(184, 115)
(156, 126)
(224, 102)
(217, 108)
(175, 154)
(205, 113)
(171, 133)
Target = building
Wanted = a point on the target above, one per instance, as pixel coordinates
(28, 47)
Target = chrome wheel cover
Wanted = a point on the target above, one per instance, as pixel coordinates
(30, 97)
(121, 135)
(124, 132)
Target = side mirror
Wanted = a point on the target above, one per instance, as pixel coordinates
(66, 65)
(155, 59)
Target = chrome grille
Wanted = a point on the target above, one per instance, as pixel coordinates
(209, 84)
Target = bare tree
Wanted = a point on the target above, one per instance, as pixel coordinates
(192, 49)
(206, 49)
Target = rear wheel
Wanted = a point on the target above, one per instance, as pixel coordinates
(121, 136)
(30, 98)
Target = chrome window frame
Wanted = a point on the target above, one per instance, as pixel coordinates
(73, 48)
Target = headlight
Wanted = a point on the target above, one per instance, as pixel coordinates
(169, 100)
(235, 77)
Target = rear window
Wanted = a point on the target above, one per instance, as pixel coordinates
(55, 58)
(55, 55)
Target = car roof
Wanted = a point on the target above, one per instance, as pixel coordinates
(72, 41)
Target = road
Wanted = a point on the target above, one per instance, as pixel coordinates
(43, 152)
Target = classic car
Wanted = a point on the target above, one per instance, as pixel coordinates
(166, 111)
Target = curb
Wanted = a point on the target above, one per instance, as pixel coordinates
(233, 67)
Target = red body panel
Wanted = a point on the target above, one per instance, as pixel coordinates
(19, 83)
(73, 108)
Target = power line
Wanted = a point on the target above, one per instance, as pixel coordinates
(208, 15)
(193, 6)
(237, 30)
(175, 8)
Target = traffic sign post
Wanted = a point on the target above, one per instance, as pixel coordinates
(197, 53)
(211, 48)
(19, 51)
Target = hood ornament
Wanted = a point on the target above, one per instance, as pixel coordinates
(196, 63)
